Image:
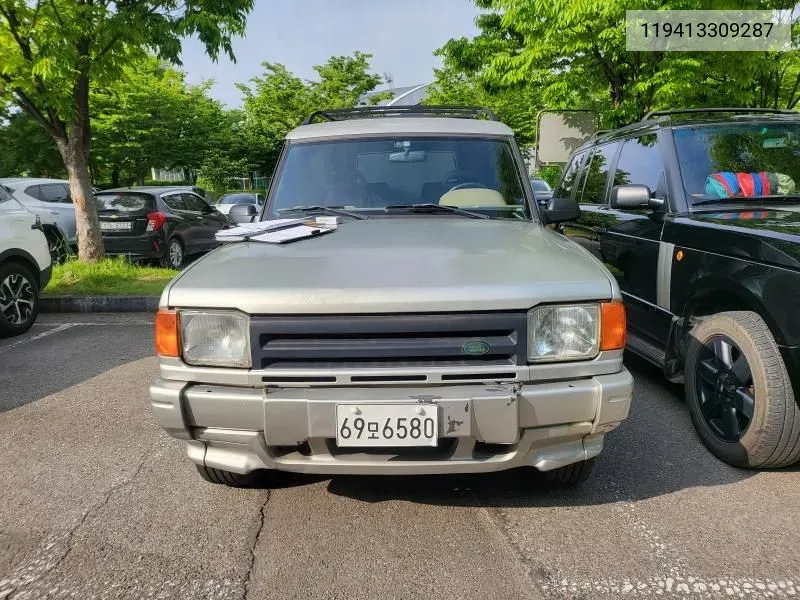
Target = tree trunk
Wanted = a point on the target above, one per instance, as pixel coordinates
(75, 153)
(90, 242)
(115, 177)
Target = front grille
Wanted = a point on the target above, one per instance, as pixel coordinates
(383, 341)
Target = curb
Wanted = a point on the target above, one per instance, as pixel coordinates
(98, 304)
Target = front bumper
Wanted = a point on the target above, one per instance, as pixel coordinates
(44, 276)
(482, 427)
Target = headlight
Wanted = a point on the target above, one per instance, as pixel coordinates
(217, 339)
(561, 333)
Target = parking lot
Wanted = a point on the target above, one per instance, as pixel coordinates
(99, 503)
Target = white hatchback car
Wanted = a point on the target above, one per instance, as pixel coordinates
(50, 199)
(25, 265)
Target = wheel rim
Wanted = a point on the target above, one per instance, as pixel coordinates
(175, 254)
(16, 299)
(725, 391)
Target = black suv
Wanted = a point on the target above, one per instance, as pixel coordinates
(163, 223)
(697, 214)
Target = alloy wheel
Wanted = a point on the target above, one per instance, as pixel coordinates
(16, 299)
(175, 254)
(725, 390)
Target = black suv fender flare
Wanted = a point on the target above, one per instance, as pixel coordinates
(711, 295)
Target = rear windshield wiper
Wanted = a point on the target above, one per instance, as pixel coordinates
(436, 208)
(748, 199)
(323, 209)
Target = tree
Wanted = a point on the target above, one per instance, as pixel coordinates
(343, 80)
(26, 150)
(574, 52)
(516, 106)
(278, 101)
(55, 51)
(219, 169)
(152, 118)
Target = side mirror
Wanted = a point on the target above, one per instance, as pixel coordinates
(559, 210)
(242, 213)
(634, 196)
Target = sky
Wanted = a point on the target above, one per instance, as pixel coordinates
(400, 34)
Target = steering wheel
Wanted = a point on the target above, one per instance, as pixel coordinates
(469, 185)
(459, 179)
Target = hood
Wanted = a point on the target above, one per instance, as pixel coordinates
(767, 234)
(387, 265)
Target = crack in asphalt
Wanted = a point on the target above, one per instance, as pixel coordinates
(94, 509)
(256, 539)
(536, 572)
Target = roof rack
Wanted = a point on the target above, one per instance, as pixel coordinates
(680, 111)
(461, 112)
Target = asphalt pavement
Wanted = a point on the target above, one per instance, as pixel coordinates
(96, 502)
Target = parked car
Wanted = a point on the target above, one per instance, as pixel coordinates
(440, 328)
(542, 190)
(226, 201)
(697, 213)
(50, 199)
(25, 265)
(203, 193)
(161, 223)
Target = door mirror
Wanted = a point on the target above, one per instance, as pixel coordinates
(559, 210)
(242, 213)
(634, 196)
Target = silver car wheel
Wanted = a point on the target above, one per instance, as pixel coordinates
(175, 254)
(16, 299)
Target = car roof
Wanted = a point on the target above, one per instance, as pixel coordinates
(377, 126)
(686, 120)
(147, 189)
(31, 180)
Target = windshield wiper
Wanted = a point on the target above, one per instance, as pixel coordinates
(436, 208)
(324, 209)
(749, 199)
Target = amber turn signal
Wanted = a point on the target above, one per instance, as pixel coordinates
(167, 337)
(612, 326)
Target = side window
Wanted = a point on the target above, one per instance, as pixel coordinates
(174, 202)
(53, 192)
(640, 163)
(6, 201)
(594, 189)
(194, 203)
(567, 182)
(33, 192)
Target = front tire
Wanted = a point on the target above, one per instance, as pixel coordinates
(19, 299)
(570, 475)
(739, 393)
(228, 478)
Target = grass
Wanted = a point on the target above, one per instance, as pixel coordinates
(109, 277)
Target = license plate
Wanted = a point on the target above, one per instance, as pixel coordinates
(114, 225)
(387, 424)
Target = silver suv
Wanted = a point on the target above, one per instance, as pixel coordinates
(440, 328)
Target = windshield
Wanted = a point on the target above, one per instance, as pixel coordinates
(540, 185)
(238, 199)
(369, 175)
(747, 161)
